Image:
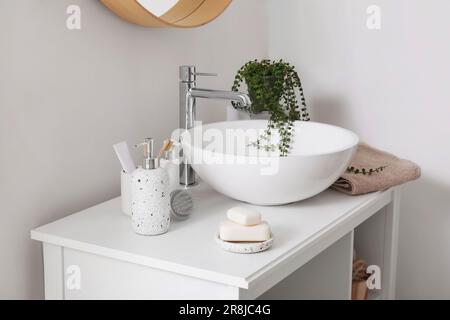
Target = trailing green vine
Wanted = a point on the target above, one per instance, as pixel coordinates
(365, 171)
(272, 86)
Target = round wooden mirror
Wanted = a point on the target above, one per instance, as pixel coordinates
(167, 13)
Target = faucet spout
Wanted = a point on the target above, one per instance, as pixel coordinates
(242, 98)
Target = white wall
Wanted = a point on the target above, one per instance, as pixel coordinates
(392, 88)
(67, 96)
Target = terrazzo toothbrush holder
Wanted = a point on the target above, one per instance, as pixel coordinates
(150, 195)
(125, 191)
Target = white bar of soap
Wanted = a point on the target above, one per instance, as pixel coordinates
(231, 231)
(244, 215)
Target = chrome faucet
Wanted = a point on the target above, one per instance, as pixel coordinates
(188, 95)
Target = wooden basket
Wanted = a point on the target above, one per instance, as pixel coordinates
(359, 290)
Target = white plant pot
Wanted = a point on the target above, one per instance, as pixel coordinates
(235, 115)
(260, 116)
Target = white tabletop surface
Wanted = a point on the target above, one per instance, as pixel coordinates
(189, 247)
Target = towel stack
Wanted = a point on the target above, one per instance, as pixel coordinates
(392, 172)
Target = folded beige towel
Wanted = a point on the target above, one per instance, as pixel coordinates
(394, 171)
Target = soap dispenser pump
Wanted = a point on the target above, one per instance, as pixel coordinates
(150, 196)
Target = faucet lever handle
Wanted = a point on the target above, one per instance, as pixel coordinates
(188, 74)
(206, 74)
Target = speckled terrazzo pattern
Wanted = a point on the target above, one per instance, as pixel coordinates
(244, 247)
(150, 207)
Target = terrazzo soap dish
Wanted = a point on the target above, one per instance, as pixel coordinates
(244, 247)
(244, 232)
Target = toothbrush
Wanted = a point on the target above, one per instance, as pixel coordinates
(168, 144)
(124, 155)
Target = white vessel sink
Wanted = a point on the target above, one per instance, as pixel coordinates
(221, 155)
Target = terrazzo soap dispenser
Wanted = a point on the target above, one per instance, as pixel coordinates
(150, 195)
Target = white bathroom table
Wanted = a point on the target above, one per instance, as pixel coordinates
(94, 254)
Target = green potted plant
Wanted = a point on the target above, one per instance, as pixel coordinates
(273, 87)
